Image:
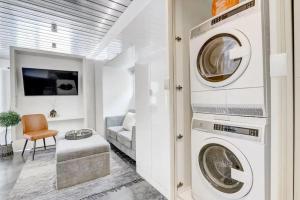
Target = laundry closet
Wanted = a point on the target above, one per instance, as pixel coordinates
(227, 68)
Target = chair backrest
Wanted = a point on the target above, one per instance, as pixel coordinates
(35, 122)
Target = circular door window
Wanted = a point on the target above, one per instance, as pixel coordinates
(223, 58)
(226, 170)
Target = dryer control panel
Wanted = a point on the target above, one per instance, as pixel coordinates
(233, 12)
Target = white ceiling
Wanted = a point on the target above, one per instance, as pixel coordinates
(81, 24)
(147, 33)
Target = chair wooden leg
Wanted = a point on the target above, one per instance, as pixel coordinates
(34, 145)
(24, 147)
(54, 139)
(44, 143)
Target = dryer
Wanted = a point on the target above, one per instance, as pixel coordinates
(230, 159)
(229, 63)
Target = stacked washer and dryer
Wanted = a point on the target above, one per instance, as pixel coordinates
(230, 101)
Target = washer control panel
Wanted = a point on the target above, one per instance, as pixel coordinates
(236, 130)
(230, 130)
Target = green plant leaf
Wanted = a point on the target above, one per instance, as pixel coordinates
(9, 118)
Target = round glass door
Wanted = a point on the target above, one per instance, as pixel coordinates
(220, 57)
(216, 163)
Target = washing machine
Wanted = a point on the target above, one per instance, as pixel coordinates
(230, 158)
(229, 62)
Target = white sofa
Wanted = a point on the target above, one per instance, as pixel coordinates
(124, 140)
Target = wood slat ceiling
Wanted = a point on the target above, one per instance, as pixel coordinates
(81, 24)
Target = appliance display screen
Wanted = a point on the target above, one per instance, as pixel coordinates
(237, 130)
(38, 82)
(233, 12)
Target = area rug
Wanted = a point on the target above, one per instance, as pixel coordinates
(37, 181)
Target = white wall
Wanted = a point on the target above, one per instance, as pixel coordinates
(4, 85)
(66, 106)
(99, 98)
(117, 91)
(89, 95)
(118, 84)
(4, 93)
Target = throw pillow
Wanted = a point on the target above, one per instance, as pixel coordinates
(129, 121)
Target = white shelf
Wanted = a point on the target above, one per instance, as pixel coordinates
(64, 118)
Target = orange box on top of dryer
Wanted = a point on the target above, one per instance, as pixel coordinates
(219, 6)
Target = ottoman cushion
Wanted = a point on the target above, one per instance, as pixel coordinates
(72, 149)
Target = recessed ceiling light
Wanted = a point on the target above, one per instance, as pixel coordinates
(53, 45)
(53, 27)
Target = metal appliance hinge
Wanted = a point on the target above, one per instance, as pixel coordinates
(179, 185)
(179, 137)
(179, 87)
(178, 39)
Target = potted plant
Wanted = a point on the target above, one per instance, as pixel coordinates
(8, 119)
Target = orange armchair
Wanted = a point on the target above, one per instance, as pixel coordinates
(35, 127)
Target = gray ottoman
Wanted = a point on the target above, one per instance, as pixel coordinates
(78, 161)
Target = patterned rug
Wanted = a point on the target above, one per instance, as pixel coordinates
(37, 182)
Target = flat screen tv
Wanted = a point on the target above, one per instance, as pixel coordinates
(38, 82)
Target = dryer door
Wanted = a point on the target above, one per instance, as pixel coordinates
(223, 58)
(225, 168)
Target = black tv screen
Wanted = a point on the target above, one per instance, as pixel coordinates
(39, 82)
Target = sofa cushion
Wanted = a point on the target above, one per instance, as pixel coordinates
(125, 138)
(129, 121)
(72, 149)
(113, 131)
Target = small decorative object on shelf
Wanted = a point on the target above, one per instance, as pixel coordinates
(8, 119)
(78, 134)
(53, 113)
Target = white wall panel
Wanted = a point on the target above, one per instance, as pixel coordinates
(143, 121)
(117, 91)
(159, 100)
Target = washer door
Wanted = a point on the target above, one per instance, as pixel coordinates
(223, 58)
(225, 168)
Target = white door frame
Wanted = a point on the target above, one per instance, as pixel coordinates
(296, 26)
(170, 14)
(282, 99)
